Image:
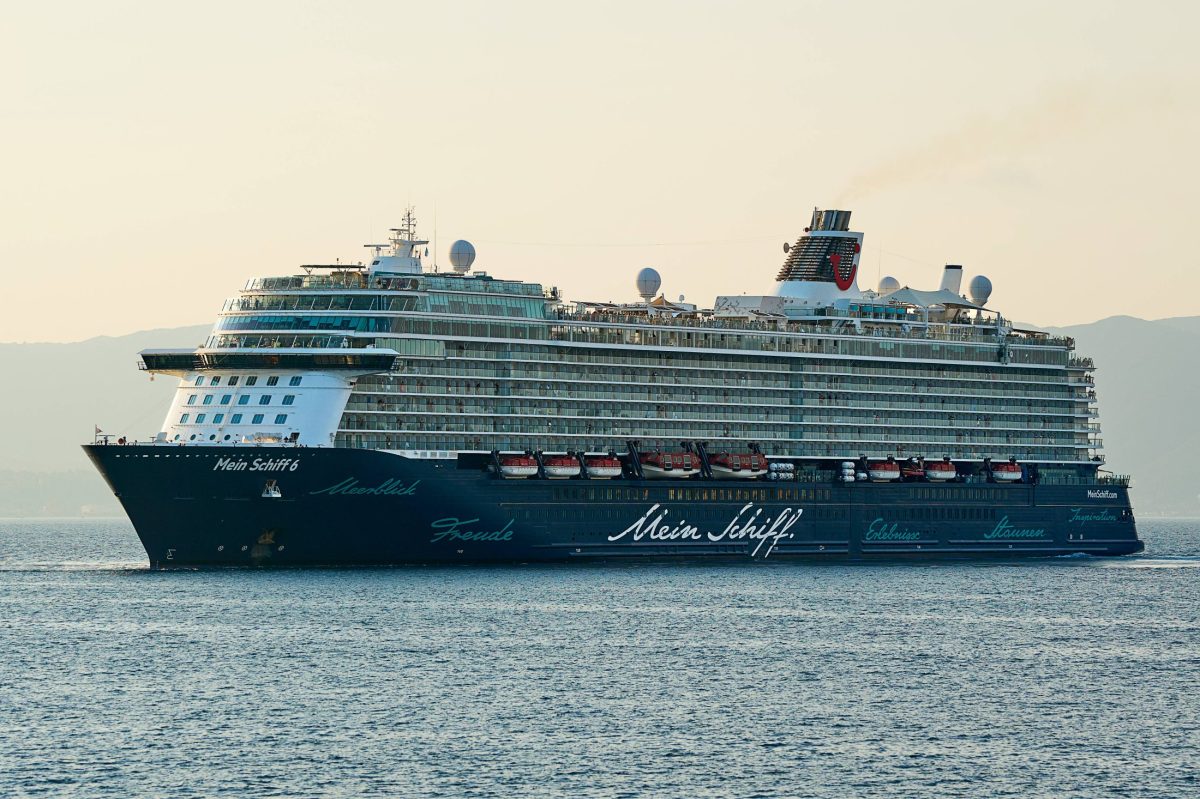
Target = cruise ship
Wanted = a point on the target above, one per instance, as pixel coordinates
(388, 412)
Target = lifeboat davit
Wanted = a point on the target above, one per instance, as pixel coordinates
(940, 472)
(559, 467)
(603, 468)
(518, 466)
(912, 470)
(1006, 472)
(883, 471)
(738, 465)
(669, 464)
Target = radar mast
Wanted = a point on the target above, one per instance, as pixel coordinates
(402, 253)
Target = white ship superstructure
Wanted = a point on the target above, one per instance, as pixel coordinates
(390, 355)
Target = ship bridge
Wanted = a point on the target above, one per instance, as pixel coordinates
(182, 362)
(261, 394)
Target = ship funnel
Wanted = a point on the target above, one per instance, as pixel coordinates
(830, 220)
(952, 278)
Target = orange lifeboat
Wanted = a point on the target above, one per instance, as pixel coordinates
(518, 466)
(669, 464)
(1006, 472)
(559, 467)
(737, 465)
(940, 472)
(883, 471)
(603, 468)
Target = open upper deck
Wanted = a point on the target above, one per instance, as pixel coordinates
(817, 308)
(362, 293)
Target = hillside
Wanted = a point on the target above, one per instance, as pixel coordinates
(59, 392)
(1147, 389)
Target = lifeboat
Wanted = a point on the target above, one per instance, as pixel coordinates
(737, 465)
(518, 466)
(603, 468)
(940, 472)
(883, 471)
(1006, 472)
(559, 467)
(669, 464)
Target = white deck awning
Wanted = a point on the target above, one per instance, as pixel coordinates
(925, 299)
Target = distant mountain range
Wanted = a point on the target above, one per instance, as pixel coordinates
(1147, 384)
(58, 393)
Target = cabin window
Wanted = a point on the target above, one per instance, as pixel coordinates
(280, 418)
(265, 399)
(215, 381)
(235, 419)
(191, 399)
(208, 398)
(244, 399)
(295, 381)
(273, 380)
(233, 381)
(183, 419)
(199, 380)
(218, 418)
(199, 418)
(225, 398)
(251, 380)
(256, 419)
(288, 399)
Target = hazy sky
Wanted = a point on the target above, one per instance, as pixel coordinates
(155, 155)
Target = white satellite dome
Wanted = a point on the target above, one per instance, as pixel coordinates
(648, 283)
(462, 255)
(979, 290)
(888, 285)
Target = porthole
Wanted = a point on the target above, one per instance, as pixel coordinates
(226, 437)
(192, 437)
(212, 437)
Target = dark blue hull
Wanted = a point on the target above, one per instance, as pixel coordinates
(195, 506)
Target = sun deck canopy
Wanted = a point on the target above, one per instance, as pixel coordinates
(926, 299)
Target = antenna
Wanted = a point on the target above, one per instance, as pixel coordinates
(878, 263)
(435, 249)
(408, 230)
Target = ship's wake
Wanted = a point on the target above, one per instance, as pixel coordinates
(1157, 562)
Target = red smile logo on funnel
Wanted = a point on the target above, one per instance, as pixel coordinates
(843, 283)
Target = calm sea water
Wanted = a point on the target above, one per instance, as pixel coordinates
(1069, 677)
